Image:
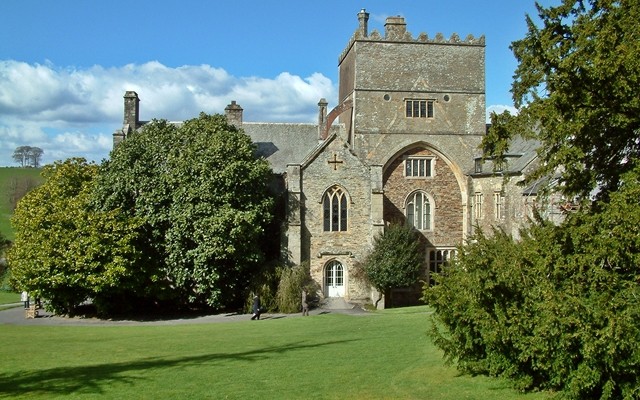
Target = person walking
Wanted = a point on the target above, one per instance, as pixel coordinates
(305, 305)
(256, 308)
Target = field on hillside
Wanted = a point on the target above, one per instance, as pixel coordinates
(382, 355)
(14, 181)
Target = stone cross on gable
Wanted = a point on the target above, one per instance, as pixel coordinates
(335, 162)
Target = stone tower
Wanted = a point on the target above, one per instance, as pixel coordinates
(413, 109)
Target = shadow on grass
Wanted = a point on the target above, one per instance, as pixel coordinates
(93, 379)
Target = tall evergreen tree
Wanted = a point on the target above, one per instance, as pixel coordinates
(576, 88)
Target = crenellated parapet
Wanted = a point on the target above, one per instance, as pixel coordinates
(395, 31)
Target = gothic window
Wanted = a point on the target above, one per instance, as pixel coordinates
(419, 108)
(418, 211)
(417, 167)
(334, 207)
(498, 201)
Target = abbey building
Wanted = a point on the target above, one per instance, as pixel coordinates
(401, 145)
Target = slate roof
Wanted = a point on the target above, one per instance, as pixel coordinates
(284, 143)
(519, 156)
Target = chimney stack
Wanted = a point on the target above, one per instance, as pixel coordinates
(363, 19)
(322, 117)
(131, 110)
(395, 28)
(234, 114)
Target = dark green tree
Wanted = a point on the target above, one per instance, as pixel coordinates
(396, 259)
(576, 91)
(558, 310)
(4, 245)
(204, 200)
(66, 252)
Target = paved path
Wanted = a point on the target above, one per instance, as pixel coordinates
(16, 316)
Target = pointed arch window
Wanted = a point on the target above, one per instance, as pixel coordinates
(334, 207)
(419, 211)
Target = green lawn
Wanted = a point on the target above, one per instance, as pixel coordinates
(331, 356)
(9, 297)
(10, 178)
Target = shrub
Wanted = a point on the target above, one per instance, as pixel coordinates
(292, 281)
(558, 310)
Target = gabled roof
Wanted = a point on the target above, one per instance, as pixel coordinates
(283, 143)
(522, 152)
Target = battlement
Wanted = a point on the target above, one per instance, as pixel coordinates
(396, 32)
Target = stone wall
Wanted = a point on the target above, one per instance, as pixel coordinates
(350, 246)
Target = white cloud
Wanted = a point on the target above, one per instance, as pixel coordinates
(72, 112)
(499, 109)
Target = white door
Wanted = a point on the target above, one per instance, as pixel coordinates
(334, 279)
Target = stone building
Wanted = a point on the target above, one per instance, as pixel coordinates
(401, 145)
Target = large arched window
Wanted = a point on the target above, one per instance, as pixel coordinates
(334, 206)
(418, 210)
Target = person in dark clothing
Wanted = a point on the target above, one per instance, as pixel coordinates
(256, 308)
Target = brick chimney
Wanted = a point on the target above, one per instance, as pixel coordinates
(395, 28)
(234, 114)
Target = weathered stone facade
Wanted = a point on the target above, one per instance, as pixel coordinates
(401, 145)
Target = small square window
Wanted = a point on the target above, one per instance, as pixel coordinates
(418, 167)
(419, 108)
(478, 166)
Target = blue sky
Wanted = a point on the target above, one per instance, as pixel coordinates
(65, 64)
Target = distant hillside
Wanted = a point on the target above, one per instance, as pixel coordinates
(14, 183)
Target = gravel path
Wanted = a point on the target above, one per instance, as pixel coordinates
(17, 316)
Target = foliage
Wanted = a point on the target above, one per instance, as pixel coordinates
(559, 310)
(19, 187)
(396, 259)
(64, 251)
(4, 245)
(204, 201)
(14, 184)
(28, 156)
(576, 91)
(263, 283)
(293, 280)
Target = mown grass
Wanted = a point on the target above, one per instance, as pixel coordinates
(331, 356)
(7, 176)
(9, 297)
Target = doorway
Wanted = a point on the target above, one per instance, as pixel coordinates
(334, 279)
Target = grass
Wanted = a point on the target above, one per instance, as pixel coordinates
(331, 356)
(9, 297)
(8, 179)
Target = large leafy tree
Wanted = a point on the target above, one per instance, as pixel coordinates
(28, 156)
(204, 200)
(576, 88)
(396, 259)
(66, 252)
